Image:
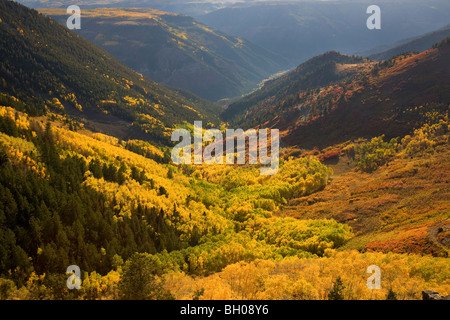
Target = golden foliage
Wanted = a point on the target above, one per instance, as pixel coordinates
(312, 278)
(20, 119)
(22, 153)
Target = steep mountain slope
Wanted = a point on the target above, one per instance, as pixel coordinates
(50, 68)
(416, 44)
(374, 100)
(178, 51)
(315, 73)
(376, 103)
(300, 30)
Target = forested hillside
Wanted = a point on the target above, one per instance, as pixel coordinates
(84, 198)
(48, 67)
(317, 72)
(379, 101)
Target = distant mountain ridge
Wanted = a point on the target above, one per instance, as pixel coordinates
(416, 44)
(191, 8)
(300, 30)
(178, 51)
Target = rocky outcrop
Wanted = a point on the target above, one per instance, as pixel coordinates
(433, 295)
